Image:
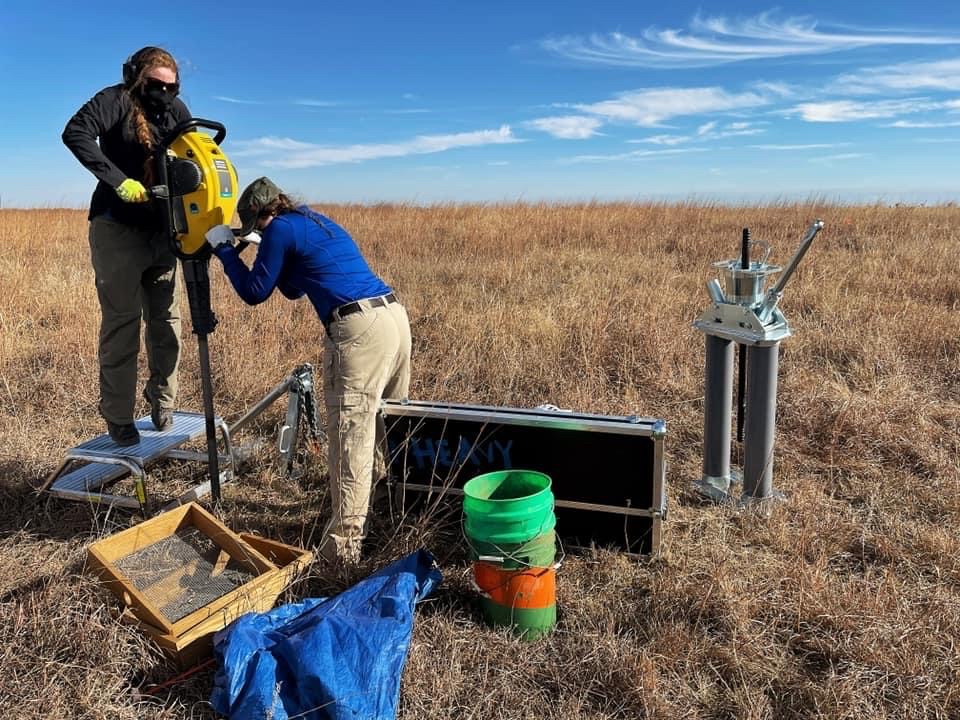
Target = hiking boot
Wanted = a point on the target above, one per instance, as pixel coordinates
(123, 434)
(162, 417)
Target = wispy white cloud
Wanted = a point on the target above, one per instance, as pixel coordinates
(569, 127)
(718, 40)
(808, 146)
(706, 128)
(909, 76)
(712, 130)
(288, 153)
(634, 155)
(498, 163)
(851, 110)
(732, 131)
(436, 168)
(923, 124)
(408, 111)
(781, 89)
(651, 107)
(839, 157)
(307, 102)
(237, 101)
(664, 139)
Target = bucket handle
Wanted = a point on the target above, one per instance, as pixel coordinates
(766, 249)
(483, 593)
(479, 590)
(734, 264)
(501, 559)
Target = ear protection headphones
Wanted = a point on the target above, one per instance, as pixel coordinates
(131, 68)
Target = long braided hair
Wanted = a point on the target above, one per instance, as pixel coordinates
(141, 62)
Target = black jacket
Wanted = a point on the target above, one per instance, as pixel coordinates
(119, 154)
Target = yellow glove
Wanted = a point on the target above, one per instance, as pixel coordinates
(132, 191)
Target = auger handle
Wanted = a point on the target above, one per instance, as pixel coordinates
(815, 227)
(190, 124)
(776, 292)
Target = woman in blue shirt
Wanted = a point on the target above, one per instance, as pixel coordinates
(366, 340)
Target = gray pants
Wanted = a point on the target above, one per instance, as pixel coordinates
(136, 278)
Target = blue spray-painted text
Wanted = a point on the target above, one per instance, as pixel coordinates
(428, 453)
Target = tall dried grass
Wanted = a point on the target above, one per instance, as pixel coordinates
(844, 603)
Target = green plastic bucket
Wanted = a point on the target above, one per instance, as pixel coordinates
(538, 551)
(527, 624)
(508, 507)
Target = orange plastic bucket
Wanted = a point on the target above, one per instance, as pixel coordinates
(532, 588)
(523, 600)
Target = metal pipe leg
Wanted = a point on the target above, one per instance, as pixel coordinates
(263, 404)
(762, 364)
(717, 410)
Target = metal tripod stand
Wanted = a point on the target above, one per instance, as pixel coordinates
(743, 313)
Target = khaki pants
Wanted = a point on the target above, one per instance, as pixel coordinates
(366, 358)
(135, 274)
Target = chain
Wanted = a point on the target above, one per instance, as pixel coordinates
(308, 421)
(307, 401)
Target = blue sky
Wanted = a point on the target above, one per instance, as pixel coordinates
(497, 101)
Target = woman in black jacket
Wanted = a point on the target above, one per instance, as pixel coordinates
(134, 266)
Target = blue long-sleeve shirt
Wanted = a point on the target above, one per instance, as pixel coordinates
(300, 253)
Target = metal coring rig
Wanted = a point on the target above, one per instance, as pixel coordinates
(744, 313)
(196, 189)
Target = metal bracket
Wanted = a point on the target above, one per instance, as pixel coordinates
(742, 325)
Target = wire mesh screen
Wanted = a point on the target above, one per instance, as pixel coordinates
(183, 572)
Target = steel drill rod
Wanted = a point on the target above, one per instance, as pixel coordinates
(197, 279)
(742, 349)
(213, 457)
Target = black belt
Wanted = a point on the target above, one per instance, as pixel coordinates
(354, 307)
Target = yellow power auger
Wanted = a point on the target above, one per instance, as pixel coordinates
(197, 189)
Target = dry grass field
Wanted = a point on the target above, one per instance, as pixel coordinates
(843, 603)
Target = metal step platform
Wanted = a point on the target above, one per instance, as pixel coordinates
(100, 461)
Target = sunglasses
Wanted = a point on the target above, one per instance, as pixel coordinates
(160, 86)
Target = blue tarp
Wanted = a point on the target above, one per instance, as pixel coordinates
(334, 658)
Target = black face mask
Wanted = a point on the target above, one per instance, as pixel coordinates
(157, 100)
(158, 97)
